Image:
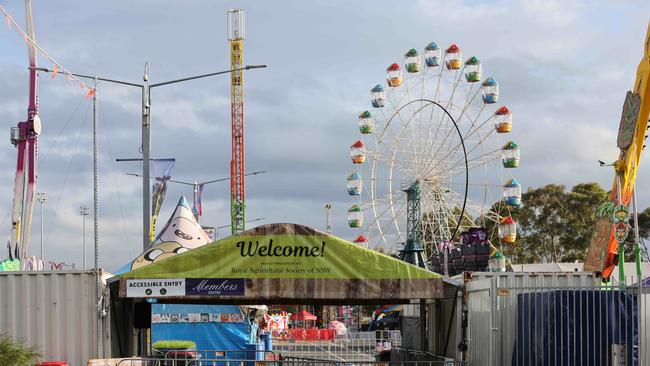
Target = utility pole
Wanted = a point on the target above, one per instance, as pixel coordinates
(83, 211)
(42, 198)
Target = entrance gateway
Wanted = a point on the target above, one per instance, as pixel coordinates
(275, 263)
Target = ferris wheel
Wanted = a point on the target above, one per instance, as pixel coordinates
(432, 159)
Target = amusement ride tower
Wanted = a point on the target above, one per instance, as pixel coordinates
(237, 190)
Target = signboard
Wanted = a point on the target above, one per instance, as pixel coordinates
(155, 288)
(628, 120)
(214, 287)
(269, 263)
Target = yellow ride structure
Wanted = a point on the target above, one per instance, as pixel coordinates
(604, 250)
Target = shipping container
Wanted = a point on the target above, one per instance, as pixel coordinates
(56, 312)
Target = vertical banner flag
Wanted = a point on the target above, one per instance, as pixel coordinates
(162, 172)
(197, 209)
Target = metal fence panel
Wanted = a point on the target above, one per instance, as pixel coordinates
(556, 319)
(52, 311)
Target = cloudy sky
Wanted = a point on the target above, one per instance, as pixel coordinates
(564, 68)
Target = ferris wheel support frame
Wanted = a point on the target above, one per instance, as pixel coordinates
(462, 142)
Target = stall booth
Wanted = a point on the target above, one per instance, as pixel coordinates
(271, 264)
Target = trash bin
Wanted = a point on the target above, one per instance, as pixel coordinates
(268, 341)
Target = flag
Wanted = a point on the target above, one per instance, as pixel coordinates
(198, 208)
(162, 171)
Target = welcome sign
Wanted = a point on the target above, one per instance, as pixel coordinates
(266, 263)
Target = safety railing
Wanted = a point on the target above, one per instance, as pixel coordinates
(153, 361)
(354, 350)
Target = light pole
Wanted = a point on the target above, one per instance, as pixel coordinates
(42, 198)
(195, 185)
(83, 211)
(146, 130)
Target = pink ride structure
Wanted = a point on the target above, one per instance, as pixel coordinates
(25, 138)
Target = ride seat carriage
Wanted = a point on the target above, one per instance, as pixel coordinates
(412, 61)
(432, 55)
(378, 96)
(490, 91)
(453, 57)
(510, 155)
(355, 216)
(507, 230)
(358, 152)
(366, 123)
(503, 120)
(473, 70)
(394, 75)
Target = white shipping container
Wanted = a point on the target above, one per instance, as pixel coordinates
(56, 313)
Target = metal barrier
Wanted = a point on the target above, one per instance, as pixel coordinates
(558, 323)
(395, 336)
(352, 350)
(151, 361)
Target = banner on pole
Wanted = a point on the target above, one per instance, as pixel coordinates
(162, 172)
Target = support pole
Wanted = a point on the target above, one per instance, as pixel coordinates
(98, 330)
(637, 242)
(423, 325)
(146, 149)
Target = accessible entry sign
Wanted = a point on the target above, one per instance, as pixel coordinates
(155, 287)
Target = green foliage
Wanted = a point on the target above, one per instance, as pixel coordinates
(13, 353)
(173, 344)
(556, 226)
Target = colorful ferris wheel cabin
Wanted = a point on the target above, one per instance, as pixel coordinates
(507, 230)
(432, 55)
(394, 75)
(358, 152)
(512, 193)
(361, 239)
(378, 96)
(355, 216)
(412, 61)
(490, 91)
(354, 184)
(366, 123)
(510, 155)
(453, 57)
(503, 120)
(473, 69)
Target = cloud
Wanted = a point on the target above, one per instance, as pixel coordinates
(564, 68)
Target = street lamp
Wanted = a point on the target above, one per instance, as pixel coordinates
(146, 130)
(83, 211)
(195, 185)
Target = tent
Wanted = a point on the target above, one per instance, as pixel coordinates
(303, 315)
(181, 233)
(304, 318)
(282, 262)
(210, 326)
(273, 264)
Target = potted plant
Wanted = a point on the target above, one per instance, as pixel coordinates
(14, 353)
(181, 350)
